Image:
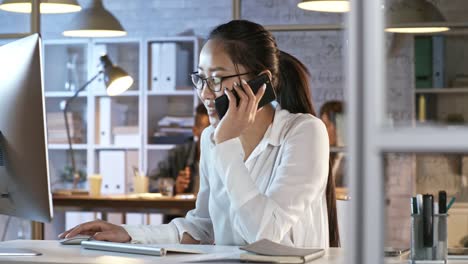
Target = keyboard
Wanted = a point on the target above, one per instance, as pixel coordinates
(141, 249)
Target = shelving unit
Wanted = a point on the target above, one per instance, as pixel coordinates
(161, 100)
(439, 63)
(144, 105)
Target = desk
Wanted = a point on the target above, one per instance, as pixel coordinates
(55, 253)
(130, 203)
(123, 203)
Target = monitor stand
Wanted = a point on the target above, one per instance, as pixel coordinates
(9, 252)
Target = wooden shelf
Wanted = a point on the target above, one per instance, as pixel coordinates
(127, 93)
(171, 93)
(115, 147)
(58, 94)
(65, 146)
(441, 91)
(160, 146)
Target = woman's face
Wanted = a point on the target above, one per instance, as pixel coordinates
(214, 62)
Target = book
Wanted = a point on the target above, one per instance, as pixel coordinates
(268, 251)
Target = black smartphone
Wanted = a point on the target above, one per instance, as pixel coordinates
(222, 102)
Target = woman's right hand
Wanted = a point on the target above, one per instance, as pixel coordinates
(182, 180)
(99, 230)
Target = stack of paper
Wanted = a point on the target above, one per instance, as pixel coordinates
(56, 130)
(173, 130)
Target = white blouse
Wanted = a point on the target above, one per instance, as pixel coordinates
(277, 193)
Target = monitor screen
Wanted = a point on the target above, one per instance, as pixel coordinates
(24, 174)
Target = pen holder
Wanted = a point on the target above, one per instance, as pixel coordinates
(438, 252)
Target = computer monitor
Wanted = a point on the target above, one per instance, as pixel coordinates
(24, 174)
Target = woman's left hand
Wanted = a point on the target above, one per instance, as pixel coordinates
(238, 118)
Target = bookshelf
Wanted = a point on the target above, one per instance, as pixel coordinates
(166, 96)
(69, 63)
(440, 89)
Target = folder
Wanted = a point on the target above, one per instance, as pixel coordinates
(156, 77)
(112, 169)
(105, 122)
(438, 60)
(168, 64)
(423, 61)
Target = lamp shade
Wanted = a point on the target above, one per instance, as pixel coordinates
(415, 16)
(116, 79)
(335, 6)
(46, 6)
(95, 21)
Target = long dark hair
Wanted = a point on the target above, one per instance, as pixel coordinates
(251, 45)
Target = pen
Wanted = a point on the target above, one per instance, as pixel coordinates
(419, 200)
(428, 206)
(442, 202)
(414, 205)
(450, 203)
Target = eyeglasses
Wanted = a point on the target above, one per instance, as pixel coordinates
(213, 82)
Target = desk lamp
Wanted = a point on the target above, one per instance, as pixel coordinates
(46, 6)
(117, 81)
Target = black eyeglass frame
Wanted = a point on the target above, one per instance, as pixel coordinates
(205, 80)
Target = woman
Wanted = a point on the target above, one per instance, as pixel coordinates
(328, 113)
(263, 173)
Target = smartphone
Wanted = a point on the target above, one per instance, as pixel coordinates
(222, 102)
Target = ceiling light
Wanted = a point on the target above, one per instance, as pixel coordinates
(415, 16)
(335, 6)
(46, 6)
(95, 21)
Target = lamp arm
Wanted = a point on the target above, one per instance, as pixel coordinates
(76, 176)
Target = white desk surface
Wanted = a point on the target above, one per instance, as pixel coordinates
(53, 252)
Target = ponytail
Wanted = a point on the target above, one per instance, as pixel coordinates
(294, 96)
(293, 85)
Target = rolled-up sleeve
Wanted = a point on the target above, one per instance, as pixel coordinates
(299, 178)
(197, 222)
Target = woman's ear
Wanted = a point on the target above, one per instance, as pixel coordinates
(268, 72)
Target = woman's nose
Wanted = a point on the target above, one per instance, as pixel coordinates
(206, 92)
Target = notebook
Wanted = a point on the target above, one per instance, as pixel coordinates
(153, 250)
(268, 251)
